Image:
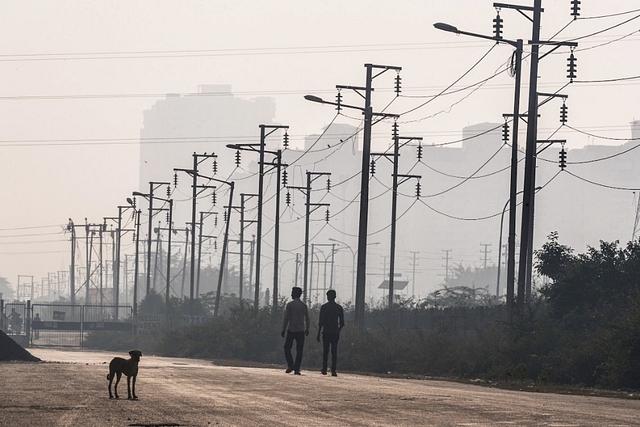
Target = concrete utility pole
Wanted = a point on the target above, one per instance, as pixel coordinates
(446, 265)
(311, 177)
(90, 230)
(277, 163)
(486, 253)
(225, 245)
(72, 268)
(197, 159)
(414, 264)
(526, 239)
(135, 278)
(361, 279)
(295, 281)
(513, 185)
(184, 259)
(203, 216)
(530, 153)
(117, 258)
(243, 199)
(395, 157)
(153, 186)
(265, 131)
(170, 231)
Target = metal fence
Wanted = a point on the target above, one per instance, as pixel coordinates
(60, 324)
(14, 315)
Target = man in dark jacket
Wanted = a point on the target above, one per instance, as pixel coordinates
(330, 323)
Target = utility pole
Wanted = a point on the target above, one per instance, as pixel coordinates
(126, 276)
(116, 267)
(276, 246)
(414, 264)
(486, 252)
(513, 190)
(526, 239)
(136, 274)
(100, 272)
(311, 177)
(158, 252)
(295, 280)
(197, 159)
(265, 131)
(184, 259)
(364, 183)
(532, 133)
(87, 260)
(90, 230)
(203, 215)
(225, 245)
(395, 157)
(310, 286)
(446, 266)
(517, 64)
(72, 268)
(243, 199)
(170, 231)
(251, 258)
(153, 186)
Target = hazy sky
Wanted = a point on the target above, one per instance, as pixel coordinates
(77, 76)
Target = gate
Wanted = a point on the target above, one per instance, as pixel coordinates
(13, 318)
(66, 325)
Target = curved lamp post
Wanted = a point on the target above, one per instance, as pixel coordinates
(518, 45)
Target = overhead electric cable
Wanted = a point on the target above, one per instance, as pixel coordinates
(611, 187)
(452, 84)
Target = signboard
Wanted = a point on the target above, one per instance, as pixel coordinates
(149, 324)
(398, 285)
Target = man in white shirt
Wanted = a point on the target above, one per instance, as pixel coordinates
(296, 324)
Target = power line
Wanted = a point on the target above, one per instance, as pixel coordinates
(604, 30)
(611, 187)
(66, 56)
(452, 84)
(619, 79)
(609, 16)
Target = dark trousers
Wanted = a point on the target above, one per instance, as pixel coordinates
(330, 340)
(288, 344)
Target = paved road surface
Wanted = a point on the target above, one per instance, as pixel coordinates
(70, 389)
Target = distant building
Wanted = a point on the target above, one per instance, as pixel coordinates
(177, 126)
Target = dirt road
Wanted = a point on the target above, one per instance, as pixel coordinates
(70, 389)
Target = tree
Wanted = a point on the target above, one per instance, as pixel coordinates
(5, 290)
(594, 312)
(590, 285)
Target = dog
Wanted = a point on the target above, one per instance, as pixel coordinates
(129, 367)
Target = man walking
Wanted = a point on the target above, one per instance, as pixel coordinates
(330, 323)
(296, 324)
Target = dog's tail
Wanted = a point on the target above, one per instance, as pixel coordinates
(109, 377)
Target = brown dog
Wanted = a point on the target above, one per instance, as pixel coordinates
(129, 367)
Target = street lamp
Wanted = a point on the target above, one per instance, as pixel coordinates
(138, 214)
(518, 44)
(353, 267)
(355, 254)
(363, 218)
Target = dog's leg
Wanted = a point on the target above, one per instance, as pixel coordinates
(128, 387)
(115, 387)
(110, 378)
(133, 387)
